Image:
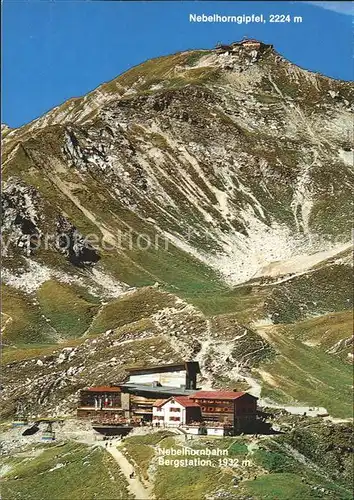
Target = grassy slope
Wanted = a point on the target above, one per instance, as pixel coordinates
(172, 483)
(55, 311)
(87, 474)
(325, 290)
(245, 302)
(69, 308)
(279, 486)
(140, 450)
(172, 267)
(128, 315)
(322, 464)
(307, 374)
(300, 373)
(273, 471)
(24, 323)
(325, 331)
(21, 352)
(130, 308)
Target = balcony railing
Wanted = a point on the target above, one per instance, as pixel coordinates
(116, 421)
(209, 423)
(104, 408)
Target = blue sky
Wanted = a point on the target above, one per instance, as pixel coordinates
(52, 51)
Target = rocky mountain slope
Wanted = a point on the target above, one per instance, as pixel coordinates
(226, 180)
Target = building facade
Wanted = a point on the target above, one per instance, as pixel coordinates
(234, 410)
(183, 375)
(144, 385)
(133, 399)
(175, 411)
(149, 395)
(100, 403)
(250, 43)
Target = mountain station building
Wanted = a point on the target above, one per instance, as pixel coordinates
(166, 396)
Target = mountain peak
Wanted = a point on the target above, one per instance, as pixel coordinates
(246, 65)
(235, 139)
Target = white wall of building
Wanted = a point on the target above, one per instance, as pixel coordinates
(171, 414)
(215, 431)
(192, 430)
(169, 379)
(211, 431)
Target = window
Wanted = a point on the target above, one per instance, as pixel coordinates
(175, 409)
(157, 417)
(175, 419)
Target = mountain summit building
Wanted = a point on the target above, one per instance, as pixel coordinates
(166, 396)
(135, 396)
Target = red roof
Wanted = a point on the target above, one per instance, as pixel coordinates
(159, 402)
(185, 401)
(182, 400)
(217, 395)
(104, 388)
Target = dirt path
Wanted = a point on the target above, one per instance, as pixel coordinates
(135, 486)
